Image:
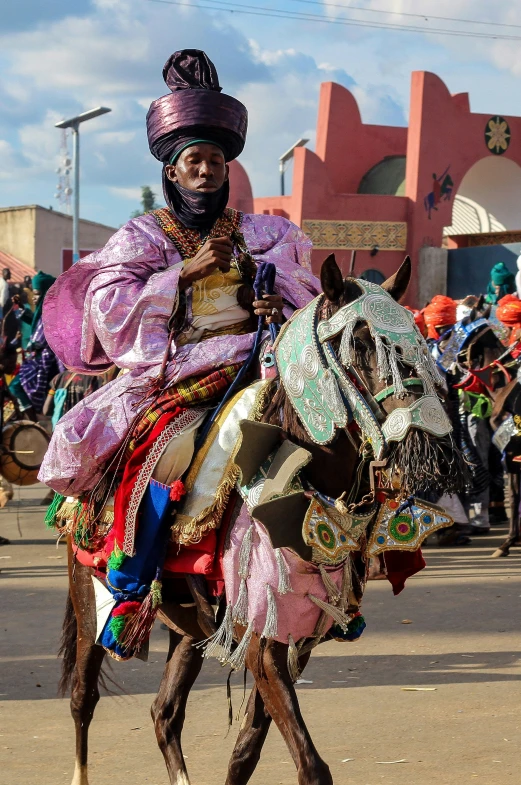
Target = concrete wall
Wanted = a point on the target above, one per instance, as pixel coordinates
(432, 274)
(54, 233)
(17, 232)
(37, 236)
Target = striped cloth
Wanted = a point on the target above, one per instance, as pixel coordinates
(188, 392)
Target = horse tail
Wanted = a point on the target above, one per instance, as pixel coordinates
(67, 648)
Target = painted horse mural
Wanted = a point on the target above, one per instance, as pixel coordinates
(442, 187)
(328, 471)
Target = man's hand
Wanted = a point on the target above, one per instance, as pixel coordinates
(215, 254)
(271, 307)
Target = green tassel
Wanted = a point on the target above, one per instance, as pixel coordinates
(155, 591)
(117, 625)
(116, 558)
(52, 510)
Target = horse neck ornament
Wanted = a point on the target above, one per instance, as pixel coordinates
(319, 383)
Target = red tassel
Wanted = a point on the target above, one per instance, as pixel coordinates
(129, 607)
(177, 491)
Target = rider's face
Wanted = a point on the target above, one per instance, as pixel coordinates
(200, 167)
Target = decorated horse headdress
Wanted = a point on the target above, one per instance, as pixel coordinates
(323, 385)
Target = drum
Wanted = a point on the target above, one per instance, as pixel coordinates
(24, 443)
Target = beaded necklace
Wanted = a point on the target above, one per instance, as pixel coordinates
(188, 241)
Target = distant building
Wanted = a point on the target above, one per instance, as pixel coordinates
(41, 239)
(446, 190)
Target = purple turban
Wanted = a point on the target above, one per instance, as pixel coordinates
(196, 109)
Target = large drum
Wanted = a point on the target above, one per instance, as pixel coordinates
(24, 443)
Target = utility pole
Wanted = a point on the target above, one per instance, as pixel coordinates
(286, 158)
(74, 124)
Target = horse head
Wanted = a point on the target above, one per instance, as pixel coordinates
(353, 362)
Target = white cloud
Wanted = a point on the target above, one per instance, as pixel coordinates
(126, 193)
(112, 53)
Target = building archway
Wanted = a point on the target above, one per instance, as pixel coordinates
(488, 198)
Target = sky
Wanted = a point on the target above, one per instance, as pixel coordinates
(59, 58)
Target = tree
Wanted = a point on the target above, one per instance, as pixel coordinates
(148, 202)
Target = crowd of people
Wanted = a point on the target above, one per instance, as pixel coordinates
(448, 324)
(35, 383)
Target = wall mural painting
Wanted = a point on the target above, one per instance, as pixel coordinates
(441, 191)
(497, 135)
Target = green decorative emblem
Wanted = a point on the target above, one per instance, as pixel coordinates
(406, 530)
(497, 135)
(331, 534)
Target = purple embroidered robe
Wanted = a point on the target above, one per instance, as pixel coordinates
(113, 307)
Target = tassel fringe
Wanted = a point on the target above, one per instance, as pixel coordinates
(284, 586)
(336, 614)
(293, 666)
(240, 609)
(347, 583)
(381, 358)
(190, 531)
(245, 553)
(271, 625)
(138, 630)
(333, 592)
(346, 342)
(219, 645)
(50, 519)
(238, 658)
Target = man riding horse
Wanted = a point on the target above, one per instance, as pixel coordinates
(310, 475)
(170, 301)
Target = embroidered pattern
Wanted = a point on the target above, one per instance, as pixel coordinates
(189, 241)
(332, 535)
(145, 473)
(357, 235)
(405, 530)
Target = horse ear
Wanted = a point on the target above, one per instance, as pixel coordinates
(397, 284)
(331, 279)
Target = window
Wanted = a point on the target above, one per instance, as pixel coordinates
(373, 276)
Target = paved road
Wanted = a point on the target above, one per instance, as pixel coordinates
(464, 640)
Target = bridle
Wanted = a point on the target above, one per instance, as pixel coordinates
(325, 388)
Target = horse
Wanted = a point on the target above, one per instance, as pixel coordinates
(420, 459)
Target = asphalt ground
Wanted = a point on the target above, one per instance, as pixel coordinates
(461, 647)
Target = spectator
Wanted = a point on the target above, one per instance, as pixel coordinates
(4, 290)
(31, 385)
(502, 282)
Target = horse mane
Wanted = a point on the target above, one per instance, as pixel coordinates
(281, 412)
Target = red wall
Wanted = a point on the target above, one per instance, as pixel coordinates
(442, 133)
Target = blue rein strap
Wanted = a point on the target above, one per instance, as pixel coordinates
(264, 284)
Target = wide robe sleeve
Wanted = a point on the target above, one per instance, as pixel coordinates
(113, 306)
(272, 238)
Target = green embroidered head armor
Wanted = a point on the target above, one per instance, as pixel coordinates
(318, 386)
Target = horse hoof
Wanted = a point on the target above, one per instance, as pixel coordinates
(499, 554)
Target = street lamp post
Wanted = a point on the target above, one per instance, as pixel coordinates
(286, 158)
(74, 124)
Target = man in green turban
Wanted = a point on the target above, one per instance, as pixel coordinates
(502, 282)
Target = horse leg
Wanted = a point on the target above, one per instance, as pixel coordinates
(89, 658)
(512, 496)
(251, 738)
(183, 666)
(268, 664)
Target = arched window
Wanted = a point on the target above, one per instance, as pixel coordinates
(373, 276)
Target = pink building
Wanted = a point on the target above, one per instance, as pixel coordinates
(452, 179)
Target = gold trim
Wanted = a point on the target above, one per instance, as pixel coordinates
(188, 530)
(357, 235)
